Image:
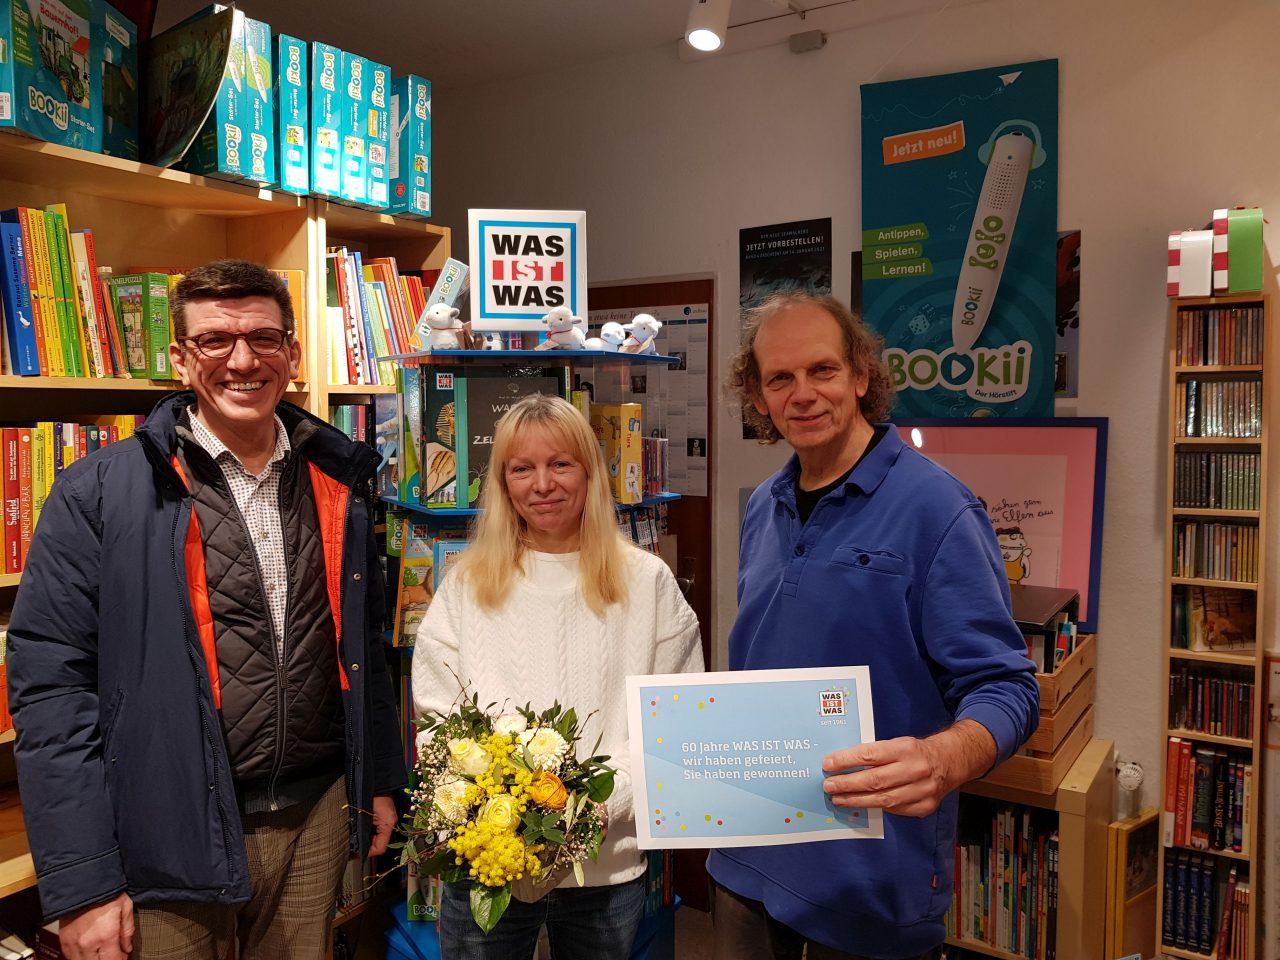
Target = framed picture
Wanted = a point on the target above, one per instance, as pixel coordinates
(1042, 482)
(1133, 846)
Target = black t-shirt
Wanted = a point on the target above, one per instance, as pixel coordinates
(806, 500)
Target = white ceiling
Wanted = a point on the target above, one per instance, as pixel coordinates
(459, 43)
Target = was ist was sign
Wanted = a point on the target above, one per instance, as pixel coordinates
(523, 263)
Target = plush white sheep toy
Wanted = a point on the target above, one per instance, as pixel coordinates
(443, 327)
(493, 341)
(564, 330)
(642, 330)
(611, 337)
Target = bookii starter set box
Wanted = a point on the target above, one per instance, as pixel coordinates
(237, 139)
(410, 146)
(325, 126)
(291, 86)
(51, 70)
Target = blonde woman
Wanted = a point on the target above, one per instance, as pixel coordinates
(550, 603)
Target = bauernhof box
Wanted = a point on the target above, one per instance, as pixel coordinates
(294, 172)
(411, 146)
(120, 127)
(51, 70)
(325, 129)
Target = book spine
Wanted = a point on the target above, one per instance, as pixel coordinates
(66, 320)
(12, 493)
(26, 499)
(15, 297)
(60, 237)
(38, 251)
(1202, 799)
(155, 299)
(86, 283)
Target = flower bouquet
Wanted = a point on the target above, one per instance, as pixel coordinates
(503, 800)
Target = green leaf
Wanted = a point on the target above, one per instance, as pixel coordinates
(555, 836)
(601, 788)
(582, 802)
(488, 904)
(567, 723)
(570, 810)
(577, 872)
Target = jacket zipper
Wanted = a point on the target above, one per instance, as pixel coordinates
(204, 720)
(282, 655)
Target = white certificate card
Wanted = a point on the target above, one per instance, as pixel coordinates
(734, 759)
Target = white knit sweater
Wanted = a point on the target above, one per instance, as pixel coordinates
(546, 646)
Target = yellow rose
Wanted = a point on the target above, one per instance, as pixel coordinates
(548, 791)
(468, 758)
(501, 812)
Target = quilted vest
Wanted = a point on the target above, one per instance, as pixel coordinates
(282, 716)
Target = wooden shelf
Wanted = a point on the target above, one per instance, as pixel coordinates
(1188, 954)
(1229, 854)
(1209, 738)
(8, 736)
(1219, 441)
(1222, 368)
(1240, 658)
(1202, 582)
(977, 946)
(113, 178)
(352, 223)
(10, 579)
(1083, 803)
(359, 389)
(17, 871)
(1213, 512)
(1184, 316)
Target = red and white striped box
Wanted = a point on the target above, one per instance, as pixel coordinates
(1220, 250)
(1190, 263)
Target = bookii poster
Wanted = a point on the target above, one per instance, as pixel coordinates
(959, 217)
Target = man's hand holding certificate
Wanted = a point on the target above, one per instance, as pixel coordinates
(736, 759)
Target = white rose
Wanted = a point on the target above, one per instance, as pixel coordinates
(510, 723)
(468, 758)
(450, 798)
(546, 749)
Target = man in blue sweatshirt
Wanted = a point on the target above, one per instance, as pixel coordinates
(861, 551)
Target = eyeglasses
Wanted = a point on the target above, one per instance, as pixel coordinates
(217, 345)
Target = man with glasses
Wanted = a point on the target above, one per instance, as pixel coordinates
(205, 723)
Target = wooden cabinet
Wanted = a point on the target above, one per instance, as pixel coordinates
(1082, 802)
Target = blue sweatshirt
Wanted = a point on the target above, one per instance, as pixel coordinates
(897, 568)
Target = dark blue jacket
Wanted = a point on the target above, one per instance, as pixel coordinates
(122, 767)
(898, 569)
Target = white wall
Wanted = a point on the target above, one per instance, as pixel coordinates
(1166, 112)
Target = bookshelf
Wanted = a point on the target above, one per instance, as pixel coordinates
(145, 215)
(1082, 804)
(1215, 577)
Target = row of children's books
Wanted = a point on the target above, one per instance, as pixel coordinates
(1215, 551)
(1210, 700)
(65, 315)
(1006, 881)
(1207, 798)
(1216, 481)
(31, 458)
(1210, 619)
(1048, 647)
(1206, 907)
(1218, 408)
(1219, 336)
(372, 311)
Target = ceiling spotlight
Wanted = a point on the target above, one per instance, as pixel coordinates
(708, 25)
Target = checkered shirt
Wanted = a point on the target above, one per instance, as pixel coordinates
(258, 499)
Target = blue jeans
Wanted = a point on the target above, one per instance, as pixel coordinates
(583, 923)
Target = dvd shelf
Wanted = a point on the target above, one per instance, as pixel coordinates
(1214, 598)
